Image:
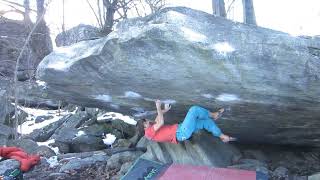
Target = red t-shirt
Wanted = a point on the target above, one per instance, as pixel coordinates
(167, 133)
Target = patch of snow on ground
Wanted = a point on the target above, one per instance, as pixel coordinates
(227, 97)
(30, 125)
(223, 48)
(53, 161)
(109, 139)
(41, 83)
(80, 133)
(47, 143)
(114, 115)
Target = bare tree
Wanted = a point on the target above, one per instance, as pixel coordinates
(248, 12)
(110, 12)
(231, 5)
(218, 8)
(27, 19)
(110, 7)
(27, 41)
(14, 7)
(155, 5)
(40, 41)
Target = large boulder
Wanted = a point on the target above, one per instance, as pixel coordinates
(43, 134)
(269, 80)
(79, 33)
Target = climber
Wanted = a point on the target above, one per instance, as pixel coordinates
(197, 118)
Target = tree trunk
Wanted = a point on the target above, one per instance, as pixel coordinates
(27, 19)
(41, 42)
(248, 12)
(218, 8)
(110, 10)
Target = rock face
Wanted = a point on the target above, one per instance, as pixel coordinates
(12, 38)
(5, 107)
(77, 34)
(268, 80)
(33, 94)
(202, 149)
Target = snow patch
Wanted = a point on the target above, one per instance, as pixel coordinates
(103, 97)
(131, 94)
(30, 125)
(80, 133)
(41, 83)
(109, 139)
(53, 161)
(209, 96)
(47, 143)
(192, 35)
(227, 97)
(223, 48)
(59, 65)
(114, 116)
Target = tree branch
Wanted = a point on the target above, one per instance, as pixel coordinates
(229, 8)
(16, 4)
(94, 13)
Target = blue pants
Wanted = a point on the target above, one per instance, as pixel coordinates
(197, 118)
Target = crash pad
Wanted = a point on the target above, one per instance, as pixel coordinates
(190, 172)
(144, 169)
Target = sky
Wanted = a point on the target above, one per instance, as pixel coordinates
(295, 17)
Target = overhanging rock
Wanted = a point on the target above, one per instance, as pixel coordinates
(269, 80)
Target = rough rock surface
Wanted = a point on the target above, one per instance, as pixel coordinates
(8, 164)
(77, 34)
(12, 38)
(5, 107)
(202, 149)
(268, 80)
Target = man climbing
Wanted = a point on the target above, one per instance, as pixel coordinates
(197, 118)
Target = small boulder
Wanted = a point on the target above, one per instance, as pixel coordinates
(82, 164)
(45, 151)
(28, 145)
(40, 119)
